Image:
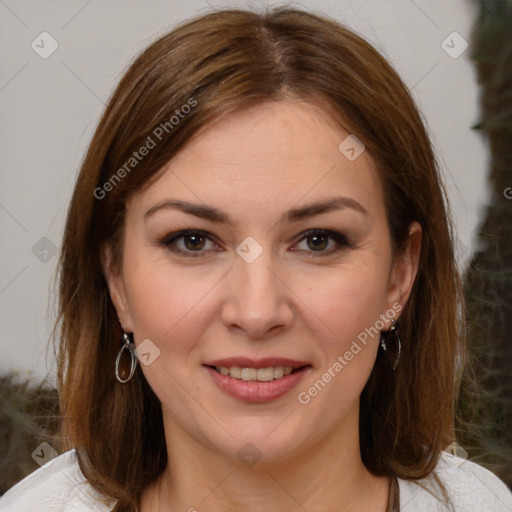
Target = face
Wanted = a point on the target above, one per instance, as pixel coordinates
(279, 257)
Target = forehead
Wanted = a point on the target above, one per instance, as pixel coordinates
(272, 154)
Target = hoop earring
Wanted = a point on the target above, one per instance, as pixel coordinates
(122, 374)
(394, 331)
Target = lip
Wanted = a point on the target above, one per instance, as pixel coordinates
(256, 391)
(248, 362)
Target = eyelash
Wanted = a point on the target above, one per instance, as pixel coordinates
(170, 239)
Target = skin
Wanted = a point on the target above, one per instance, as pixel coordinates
(295, 300)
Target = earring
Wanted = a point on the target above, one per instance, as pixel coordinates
(123, 375)
(392, 330)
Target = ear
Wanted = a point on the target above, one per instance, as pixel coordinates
(116, 289)
(405, 268)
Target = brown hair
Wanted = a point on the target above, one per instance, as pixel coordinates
(225, 61)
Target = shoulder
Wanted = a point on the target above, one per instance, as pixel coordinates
(471, 488)
(58, 486)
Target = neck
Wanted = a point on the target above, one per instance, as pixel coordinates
(328, 475)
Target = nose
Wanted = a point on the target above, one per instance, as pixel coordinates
(258, 299)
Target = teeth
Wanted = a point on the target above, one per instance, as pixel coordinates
(278, 372)
(234, 371)
(252, 374)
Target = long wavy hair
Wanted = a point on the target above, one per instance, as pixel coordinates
(219, 63)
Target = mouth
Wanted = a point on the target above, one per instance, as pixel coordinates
(250, 374)
(261, 381)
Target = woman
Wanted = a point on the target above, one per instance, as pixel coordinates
(260, 308)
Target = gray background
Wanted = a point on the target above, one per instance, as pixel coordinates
(49, 108)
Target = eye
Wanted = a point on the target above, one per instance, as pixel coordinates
(320, 240)
(193, 242)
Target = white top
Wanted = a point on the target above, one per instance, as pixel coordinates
(59, 486)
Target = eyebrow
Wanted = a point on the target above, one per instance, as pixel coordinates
(293, 215)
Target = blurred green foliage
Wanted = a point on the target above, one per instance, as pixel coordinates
(486, 410)
(28, 416)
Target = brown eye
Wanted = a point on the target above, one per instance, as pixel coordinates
(318, 241)
(193, 243)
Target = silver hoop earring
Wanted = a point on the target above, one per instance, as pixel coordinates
(393, 330)
(122, 374)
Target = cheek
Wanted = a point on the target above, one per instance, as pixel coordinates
(347, 301)
(168, 305)
(170, 309)
(348, 305)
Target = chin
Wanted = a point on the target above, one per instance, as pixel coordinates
(263, 439)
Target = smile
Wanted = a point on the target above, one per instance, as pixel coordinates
(257, 385)
(251, 374)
